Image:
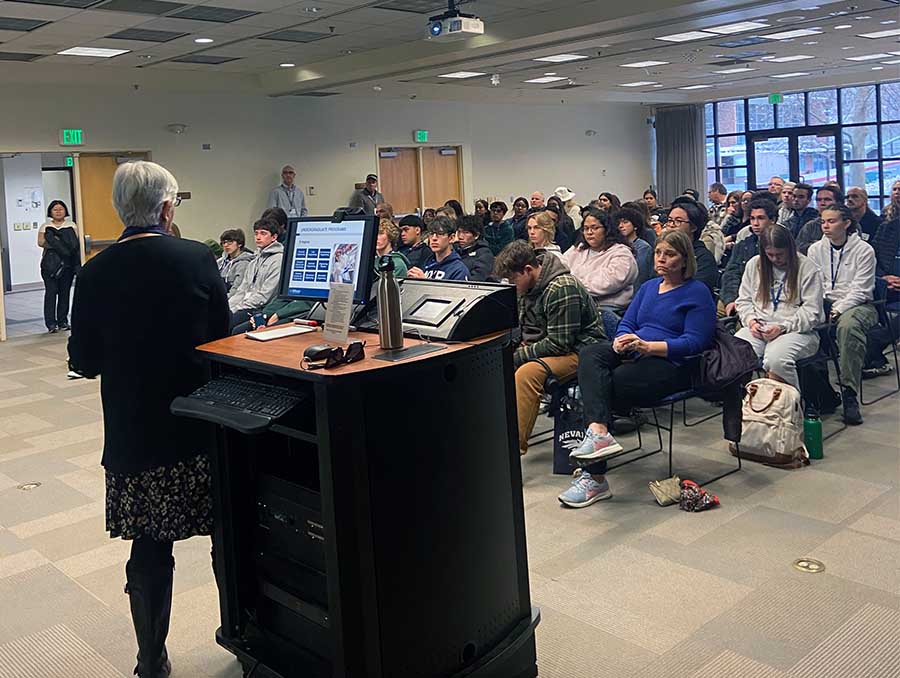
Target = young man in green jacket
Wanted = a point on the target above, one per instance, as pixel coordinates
(557, 317)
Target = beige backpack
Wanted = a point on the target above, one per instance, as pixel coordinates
(772, 431)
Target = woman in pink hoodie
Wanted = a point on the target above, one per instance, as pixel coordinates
(603, 261)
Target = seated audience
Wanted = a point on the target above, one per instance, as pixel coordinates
(692, 193)
(737, 222)
(541, 231)
(633, 227)
(847, 264)
(498, 232)
(891, 211)
(671, 318)
(446, 211)
(444, 263)
(731, 223)
(603, 261)
(458, 211)
(482, 211)
(565, 229)
(762, 216)
(717, 206)
(537, 202)
(280, 217)
(473, 249)
(712, 237)
(776, 183)
(609, 202)
(801, 212)
(656, 210)
(572, 208)
(787, 200)
(689, 216)
(645, 233)
(780, 304)
(388, 234)
(384, 210)
(811, 231)
(519, 219)
(414, 247)
(235, 257)
(857, 199)
(886, 244)
(260, 283)
(427, 215)
(557, 318)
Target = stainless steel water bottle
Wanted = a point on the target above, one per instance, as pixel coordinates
(390, 324)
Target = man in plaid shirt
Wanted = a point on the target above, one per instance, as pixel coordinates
(557, 317)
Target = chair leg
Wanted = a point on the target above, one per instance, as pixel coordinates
(640, 445)
(891, 392)
(696, 422)
(727, 473)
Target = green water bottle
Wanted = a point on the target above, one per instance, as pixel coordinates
(812, 435)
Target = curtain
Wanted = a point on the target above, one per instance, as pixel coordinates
(680, 151)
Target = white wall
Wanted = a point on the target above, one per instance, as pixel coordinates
(23, 213)
(509, 149)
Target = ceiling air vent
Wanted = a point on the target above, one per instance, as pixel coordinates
(144, 35)
(220, 15)
(204, 59)
(316, 94)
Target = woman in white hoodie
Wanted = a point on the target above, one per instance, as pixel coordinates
(780, 304)
(603, 261)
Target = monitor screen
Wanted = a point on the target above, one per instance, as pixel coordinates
(319, 251)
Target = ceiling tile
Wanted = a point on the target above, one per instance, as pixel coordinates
(68, 4)
(141, 6)
(214, 14)
(270, 21)
(95, 17)
(22, 10)
(21, 25)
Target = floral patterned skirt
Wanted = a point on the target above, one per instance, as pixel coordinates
(166, 503)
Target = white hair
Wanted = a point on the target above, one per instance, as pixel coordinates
(139, 190)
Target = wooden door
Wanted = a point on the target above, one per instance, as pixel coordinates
(398, 171)
(99, 218)
(440, 171)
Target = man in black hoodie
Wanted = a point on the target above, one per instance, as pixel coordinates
(414, 246)
(472, 248)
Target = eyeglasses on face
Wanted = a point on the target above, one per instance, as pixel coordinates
(677, 221)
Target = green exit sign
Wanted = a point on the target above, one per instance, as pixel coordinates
(70, 161)
(421, 136)
(776, 98)
(71, 137)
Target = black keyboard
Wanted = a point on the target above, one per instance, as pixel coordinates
(249, 396)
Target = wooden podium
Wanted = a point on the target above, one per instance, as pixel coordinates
(377, 530)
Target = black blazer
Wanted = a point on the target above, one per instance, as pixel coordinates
(140, 308)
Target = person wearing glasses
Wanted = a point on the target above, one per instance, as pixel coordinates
(847, 266)
(287, 196)
(690, 217)
(235, 257)
(498, 232)
(141, 306)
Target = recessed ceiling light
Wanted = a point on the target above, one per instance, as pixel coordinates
(877, 68)
(462, 75)
(644, 64)
(788, 75)
(892, 62)
(546, 79)
(561, 58)
(685, 37)
(740, 27)
(696, 87)
(811, 8)
(888, 22)
(287, 65)
(868, 57)
(862, 18)
(787, 35)
(880, 34)
(848, 47)
(729, 71)
(101, 52)
(842, 27)
(811, 42)
(639, 83)
(203, 41)
(794, 57)
(657, 85)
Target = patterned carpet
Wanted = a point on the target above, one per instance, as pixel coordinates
(627, 589)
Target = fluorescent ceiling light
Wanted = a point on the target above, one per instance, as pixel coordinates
(546, 79)
(880, 34)
(795, 57)
(101, 52)
(729, 71)
(788, 75)
(787, 35)
(461, 75)
(645, 64)
(203, 41)
(868, 57)
(639, 83)
(877, 68)
(696, 87)
(287, 65)
(892, 62)
(740, 27)
(842, 27)
(561, 58)
(685, 37)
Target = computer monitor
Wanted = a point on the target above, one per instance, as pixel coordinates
(320, 251)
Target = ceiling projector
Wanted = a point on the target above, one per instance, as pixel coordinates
(454, 25)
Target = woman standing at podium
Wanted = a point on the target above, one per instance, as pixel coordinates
(141, 306)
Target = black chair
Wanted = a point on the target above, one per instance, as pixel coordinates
(887, 323)
(828, 352)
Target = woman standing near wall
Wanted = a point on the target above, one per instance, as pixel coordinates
(58, 237)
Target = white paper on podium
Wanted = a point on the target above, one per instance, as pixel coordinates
(338, 312)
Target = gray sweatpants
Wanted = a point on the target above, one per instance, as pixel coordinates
(780, 355)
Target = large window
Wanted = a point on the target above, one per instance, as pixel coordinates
(864, 120)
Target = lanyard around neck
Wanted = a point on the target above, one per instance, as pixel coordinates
(836, 271)
(776, 295)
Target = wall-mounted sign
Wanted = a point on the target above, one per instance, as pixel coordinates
(71, 137)
(421, 136)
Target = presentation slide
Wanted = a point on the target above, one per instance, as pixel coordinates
(325, 252)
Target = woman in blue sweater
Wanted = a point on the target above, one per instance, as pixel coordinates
(670, 318)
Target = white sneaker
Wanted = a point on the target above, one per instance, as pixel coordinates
(72, 374)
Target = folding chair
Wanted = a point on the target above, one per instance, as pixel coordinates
(885, 310)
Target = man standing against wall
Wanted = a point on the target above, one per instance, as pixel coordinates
(368, 197)
(287, 196)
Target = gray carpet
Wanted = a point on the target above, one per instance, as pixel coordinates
(626, 589)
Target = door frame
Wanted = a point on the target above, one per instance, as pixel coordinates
(460, 166)
(793, 134)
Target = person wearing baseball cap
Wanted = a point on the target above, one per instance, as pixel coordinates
(368, 196)
(572, 208)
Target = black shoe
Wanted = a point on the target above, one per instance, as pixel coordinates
(64, 326)
(880, 371)
(52, 330)
(150, 596)
(852, 415)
